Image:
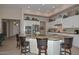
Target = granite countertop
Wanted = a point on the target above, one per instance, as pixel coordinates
(54, 37)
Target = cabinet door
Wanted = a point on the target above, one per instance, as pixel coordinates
(53, 47)
(67, 23)
(50, 48)
(71, 22)
(58, 21)
(76, 41)
(33, 46)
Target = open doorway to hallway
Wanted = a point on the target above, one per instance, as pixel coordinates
(10, 27)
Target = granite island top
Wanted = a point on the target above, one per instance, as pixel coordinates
(54, 36)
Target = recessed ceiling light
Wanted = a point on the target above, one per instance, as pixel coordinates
(28, 6)
(53, 7)
(43, 4)
(39, 9)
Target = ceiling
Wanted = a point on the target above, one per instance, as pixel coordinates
(39, 9)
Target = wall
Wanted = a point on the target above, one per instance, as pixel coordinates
(10, 13)
(16, 13)
(23, 22)
(0, 22)
(15, 28)
(0, 26)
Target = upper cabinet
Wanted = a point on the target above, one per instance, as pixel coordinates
(58, 21)
(30, 23)
(71, 22)
(53, 23)
(69, 18)
(30, 20)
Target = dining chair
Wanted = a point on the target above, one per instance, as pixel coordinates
(67, 45)
(42, 45)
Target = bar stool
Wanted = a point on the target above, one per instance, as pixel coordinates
(67, 45)
(42, 45)
(25, 45)
(18, 40)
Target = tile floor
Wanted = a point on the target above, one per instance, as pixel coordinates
(9, 48)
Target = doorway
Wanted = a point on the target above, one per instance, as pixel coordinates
(4, 28)
(10, 27)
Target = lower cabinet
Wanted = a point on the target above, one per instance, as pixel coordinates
(76, 41)
(33, 46)
(53, 47)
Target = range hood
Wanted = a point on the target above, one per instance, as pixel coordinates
(58, 25)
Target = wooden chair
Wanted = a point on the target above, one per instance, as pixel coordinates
(25, 45)
(42, 45)
(67, 45)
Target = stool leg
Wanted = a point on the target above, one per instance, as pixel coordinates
(60, 51)
(25, 50)
(45, 52)
(69, 51)
(39, 52)
(65, 51)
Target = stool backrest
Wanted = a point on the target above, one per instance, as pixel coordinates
(68, 41)
(42, 43)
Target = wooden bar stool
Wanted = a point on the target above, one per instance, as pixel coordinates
(67, 45)
(42, 45)
(18, 41)
(25, 45)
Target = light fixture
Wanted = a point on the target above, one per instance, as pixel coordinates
(14, 22)
(17, 24)
(53, 7)
(39, 9)
(28, 6)
(43, 4)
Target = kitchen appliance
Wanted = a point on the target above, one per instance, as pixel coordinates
(76, 31)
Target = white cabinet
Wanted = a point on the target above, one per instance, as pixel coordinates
(30, 23)
(71, 22)
(67, 23)
(53, 47)
(58, 21)
(76, 41)
(33, 46)
(51, 24)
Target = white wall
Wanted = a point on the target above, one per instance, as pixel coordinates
(16, 13)
(0, 22)
(10, 13)
(23, 22)
(15, 29)
(0, 26)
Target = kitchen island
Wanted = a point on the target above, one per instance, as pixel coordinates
(54, 41)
